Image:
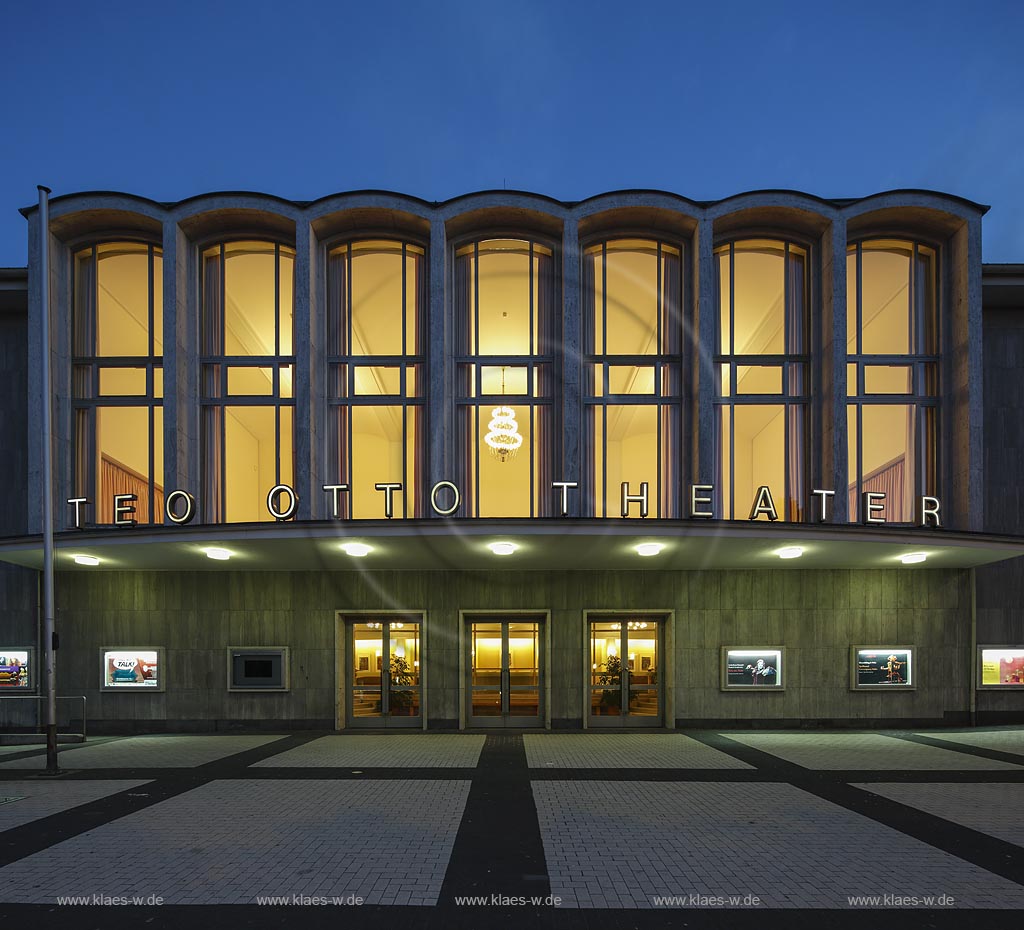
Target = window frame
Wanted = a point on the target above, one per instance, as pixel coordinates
(794, 398)
(88, 367)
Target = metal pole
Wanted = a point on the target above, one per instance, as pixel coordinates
(47, 489)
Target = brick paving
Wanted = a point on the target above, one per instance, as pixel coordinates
(625, 751)
(143, 752)
(603, 821)
(385, 750)
(865, 751)
(623, 844)
(997, 810)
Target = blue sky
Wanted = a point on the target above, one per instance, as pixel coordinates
(568, 99)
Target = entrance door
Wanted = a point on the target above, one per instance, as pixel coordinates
(625, 684)
(505, 673)
(384, 664)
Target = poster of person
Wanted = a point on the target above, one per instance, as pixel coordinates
(884, 667)
(760, 668)
(14, 669)
(1003, 668)
(134, 668)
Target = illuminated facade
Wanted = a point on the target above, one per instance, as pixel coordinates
(509, 461)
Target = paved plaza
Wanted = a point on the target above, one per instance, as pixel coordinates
(579, 830)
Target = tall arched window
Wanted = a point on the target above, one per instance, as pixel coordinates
(376, 292)
(117, 377)
(632, 380)
(504, 292)
(762, 378)
(247, 363)
(892, 375)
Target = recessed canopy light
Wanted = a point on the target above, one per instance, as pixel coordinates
(221, 555)
(87, 560)
(357, 549)
(790, 552)
(649, 548)
(502, 548)
(912, 558)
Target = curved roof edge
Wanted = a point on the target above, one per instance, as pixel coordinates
(837, 202)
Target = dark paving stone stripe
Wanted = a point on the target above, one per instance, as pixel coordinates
(368, 917)
(987, 852)
(979, 751)
(498, 849)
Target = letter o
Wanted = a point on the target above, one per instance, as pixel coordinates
(433, 498)
(293, 502)
(190, 507)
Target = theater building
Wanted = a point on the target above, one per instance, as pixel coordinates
(505, 461)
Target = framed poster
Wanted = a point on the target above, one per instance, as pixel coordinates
(258, 668)
(1001, 667)
(753, 668)
(132, 668)
(17, 669)
(882, 668)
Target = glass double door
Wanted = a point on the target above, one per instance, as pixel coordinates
(384, 669)
(625, 683)
(505, 673)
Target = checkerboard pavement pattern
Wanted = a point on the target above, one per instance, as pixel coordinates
(865, 751)
(1011, 741)
(622, 844)
(143, 752)
(997, 810)
(42, 798)
(233, 841)
(385, 750)
(624, 751)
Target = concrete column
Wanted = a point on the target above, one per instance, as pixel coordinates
(569, 466)
(828, 401)
(308, 347)
(440, 408)
(702, 437)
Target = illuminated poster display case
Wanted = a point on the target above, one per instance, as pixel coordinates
(17, 669)
(753, 668)
(132, 668)
(1001, 667)
(882, 668)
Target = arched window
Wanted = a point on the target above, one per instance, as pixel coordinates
(761, 384)
(117, 377)
(632, 376)
(376, 378)
(892, 375)
(247, 361)
(504, 292)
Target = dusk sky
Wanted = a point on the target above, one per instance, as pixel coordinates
(567, 99)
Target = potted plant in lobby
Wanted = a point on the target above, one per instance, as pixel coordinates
(611, 699)
(401, 702)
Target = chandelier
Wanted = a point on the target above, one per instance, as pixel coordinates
(631, 625)
(503, 436)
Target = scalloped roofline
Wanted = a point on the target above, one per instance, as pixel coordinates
(835, 202)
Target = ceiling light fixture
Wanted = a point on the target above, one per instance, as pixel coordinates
(790, 552)
(87, 560)
(912, 558)
(649, 548)
(221, 555)
(503, 436)
(502, 548)
(356, 549)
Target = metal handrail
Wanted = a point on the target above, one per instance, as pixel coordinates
(41, 697)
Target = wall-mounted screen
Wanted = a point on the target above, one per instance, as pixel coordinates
(16, 671)
(258, 668)
(1001, 666)
(882, 667)
(754, 668)
(131, 668)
